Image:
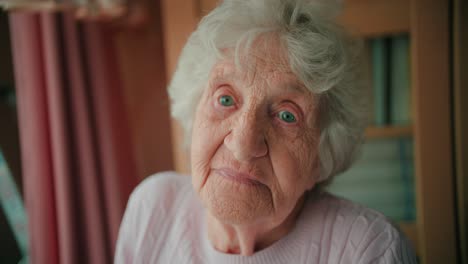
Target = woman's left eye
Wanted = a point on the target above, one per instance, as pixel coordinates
(226, 100)
(287, 116)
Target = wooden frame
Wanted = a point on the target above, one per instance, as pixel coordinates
(427, 23)
(432, 130)
(376, 17)
(460, 94)
(389, 132)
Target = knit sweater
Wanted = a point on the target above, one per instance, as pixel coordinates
(165, 223)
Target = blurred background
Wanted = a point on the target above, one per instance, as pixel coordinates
(84, 117)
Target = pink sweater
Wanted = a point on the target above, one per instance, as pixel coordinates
(164, 223)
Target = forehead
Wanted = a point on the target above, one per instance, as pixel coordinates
(261, 65)
(254, 71)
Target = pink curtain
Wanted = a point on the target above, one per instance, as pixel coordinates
(78, 168)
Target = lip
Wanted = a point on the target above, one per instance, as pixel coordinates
(236, 176)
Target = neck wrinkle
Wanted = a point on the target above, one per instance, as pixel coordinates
(302, 238)
(246, 240)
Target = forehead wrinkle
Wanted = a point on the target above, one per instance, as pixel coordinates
(260, 72)
(222, 70)
(283, 83)
(269, 75)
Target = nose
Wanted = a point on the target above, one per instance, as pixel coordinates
(246, 139)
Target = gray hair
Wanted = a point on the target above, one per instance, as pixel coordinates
(319, 53)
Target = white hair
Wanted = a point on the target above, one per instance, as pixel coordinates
(319, 53)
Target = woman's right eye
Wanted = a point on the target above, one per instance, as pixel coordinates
(226, 100)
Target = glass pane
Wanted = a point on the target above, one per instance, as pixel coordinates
(382, 178)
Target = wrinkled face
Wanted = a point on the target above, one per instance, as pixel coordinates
(254, 141)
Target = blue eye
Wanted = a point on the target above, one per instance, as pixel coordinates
(226, 100)
(287, 116)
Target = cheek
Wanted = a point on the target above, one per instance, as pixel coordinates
(293, 162)
(207, 135)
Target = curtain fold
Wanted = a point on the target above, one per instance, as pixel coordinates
(78, 167)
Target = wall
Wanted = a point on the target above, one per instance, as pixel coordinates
(141, 58)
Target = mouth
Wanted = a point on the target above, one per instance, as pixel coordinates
(232, 175)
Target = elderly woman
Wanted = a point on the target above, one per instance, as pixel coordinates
(268, 92)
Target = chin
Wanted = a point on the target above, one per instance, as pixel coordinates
(236, 203)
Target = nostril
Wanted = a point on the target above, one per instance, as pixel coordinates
(261, 148)
(246, 144)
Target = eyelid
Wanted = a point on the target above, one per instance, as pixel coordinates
(293, 109)
(296, 117)
(287, 111)
(223, 90)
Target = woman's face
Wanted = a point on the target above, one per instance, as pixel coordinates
(254, 141)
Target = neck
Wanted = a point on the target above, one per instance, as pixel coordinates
(247, 239)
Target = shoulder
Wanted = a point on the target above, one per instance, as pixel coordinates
(363, 235)
(151, 208)
(160, 188)
(161, 194)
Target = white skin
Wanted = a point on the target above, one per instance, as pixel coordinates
(253, 151)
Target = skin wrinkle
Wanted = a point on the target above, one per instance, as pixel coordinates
(248, 137)
(201, 164)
